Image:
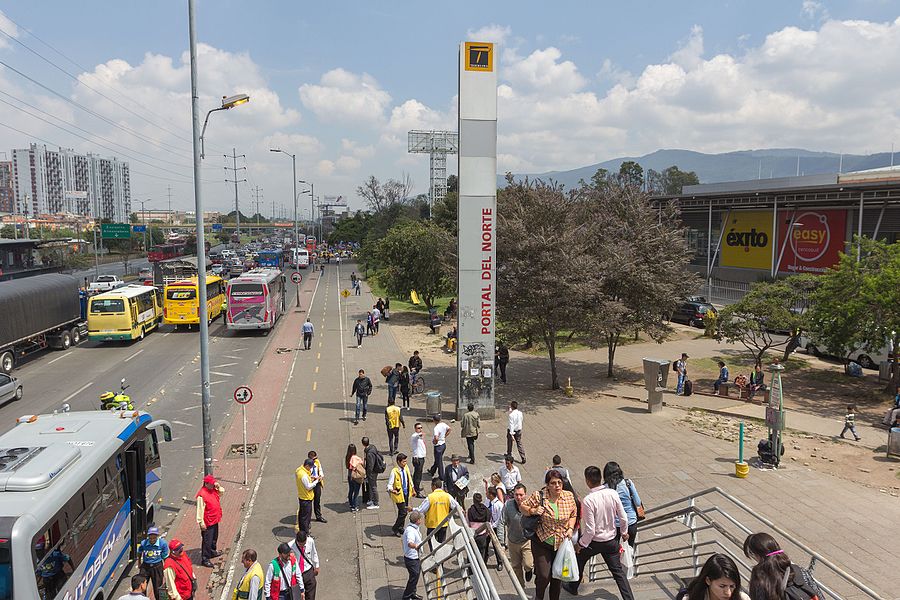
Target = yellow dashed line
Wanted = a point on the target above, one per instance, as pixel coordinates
(315, 385)
(308, 434)
(317, 368)
(312, 407)
(318, 354)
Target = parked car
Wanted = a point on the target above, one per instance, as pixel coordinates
(693, 313)
(10, 388)
(867, 360)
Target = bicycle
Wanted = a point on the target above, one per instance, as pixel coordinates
(416, 383)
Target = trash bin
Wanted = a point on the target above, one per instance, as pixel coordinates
(432, 403)
(656, 373)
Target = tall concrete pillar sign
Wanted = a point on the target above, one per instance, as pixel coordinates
(477, 225)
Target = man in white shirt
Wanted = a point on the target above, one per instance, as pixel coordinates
(439, 440)
(509, 474)
(514, 430)
(138, 589)
(417, 445)
(282, 573)
(412, 539)
(303, 547)
(603, 523)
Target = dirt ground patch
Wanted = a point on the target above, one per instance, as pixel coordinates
(804, 451)
(411, 331)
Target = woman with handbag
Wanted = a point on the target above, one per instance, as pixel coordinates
(178, 573)
(356, 475)
(615, 479)
(556, 510)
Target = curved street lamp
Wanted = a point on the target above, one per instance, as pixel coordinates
(228, 102)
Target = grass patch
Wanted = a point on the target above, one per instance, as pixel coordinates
(743, 361)
(563, 344)
(405, 304)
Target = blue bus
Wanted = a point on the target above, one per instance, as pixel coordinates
(270, 258)
(77, 494)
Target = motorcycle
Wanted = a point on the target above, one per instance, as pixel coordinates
(116, 401)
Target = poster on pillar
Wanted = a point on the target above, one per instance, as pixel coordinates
(477, 250)
(747, 240)
(810, 241)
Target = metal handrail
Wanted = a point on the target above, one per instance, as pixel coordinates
(691, 511)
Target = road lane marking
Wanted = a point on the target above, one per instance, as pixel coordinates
(192, 407)
(220, 374)
(320, 344)
(58, 357)
(133, 355)
(317, 368)
(182, 423)
(315, 385)
(225, 365)
(312, 407)
(308, 434)
(318, 355)
(166, 334)
(78, 391)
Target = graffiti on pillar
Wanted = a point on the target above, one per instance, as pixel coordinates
(477, 386)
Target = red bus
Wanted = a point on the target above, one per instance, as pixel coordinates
(165, 252)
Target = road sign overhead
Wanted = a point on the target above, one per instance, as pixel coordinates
(243, 395)
(296, 277)
(115, 231)
(139, 228)
(217, 227)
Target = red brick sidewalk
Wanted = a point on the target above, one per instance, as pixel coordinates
(268, 384)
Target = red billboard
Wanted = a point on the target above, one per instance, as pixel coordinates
(817, 237)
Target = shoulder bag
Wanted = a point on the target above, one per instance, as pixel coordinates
(638, 508)
(530, 522)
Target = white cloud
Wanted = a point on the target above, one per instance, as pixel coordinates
(342, 96)
(542, 71)
(497, 34)
(9, 28)
(690, 54)
(355, 149)
(813, 9)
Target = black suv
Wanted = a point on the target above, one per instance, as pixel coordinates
(693, 313)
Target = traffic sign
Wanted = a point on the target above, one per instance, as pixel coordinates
(139, 228)
(243, 395)
(217, 227)
(115, 231)
(296, 277)
(345, 293)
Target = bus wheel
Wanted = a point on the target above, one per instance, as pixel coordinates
(143, 333)
(7, 361)
(65, 340)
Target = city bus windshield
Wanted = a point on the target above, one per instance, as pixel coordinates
(107, 305)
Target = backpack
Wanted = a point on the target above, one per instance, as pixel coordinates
(800, 585)
(675, 365)
(378, 465)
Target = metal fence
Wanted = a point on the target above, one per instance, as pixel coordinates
(723, 291)
(677, 537)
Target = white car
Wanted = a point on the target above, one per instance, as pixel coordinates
(10, 388)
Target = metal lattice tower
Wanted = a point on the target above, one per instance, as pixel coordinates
(438, 144)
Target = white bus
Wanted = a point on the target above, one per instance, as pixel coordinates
(77, 493)
(255, 299)
(300, 258)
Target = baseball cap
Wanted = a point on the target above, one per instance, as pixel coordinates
(176, 545)
(153, 531)
(209, 479)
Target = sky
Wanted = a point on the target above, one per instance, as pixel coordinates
(340, 84)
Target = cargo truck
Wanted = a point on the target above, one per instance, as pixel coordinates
(44, 311)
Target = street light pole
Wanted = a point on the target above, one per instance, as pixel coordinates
(144, 220)
(294, 182)
(312, 210)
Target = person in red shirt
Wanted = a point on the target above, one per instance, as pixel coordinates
(178, 573)
(209, 513)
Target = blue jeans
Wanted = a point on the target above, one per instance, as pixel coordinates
(438, 465)
(362, 403)
(392, 391)
(353, 494)
(681, 378)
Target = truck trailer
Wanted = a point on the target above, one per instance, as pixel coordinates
(39, 312)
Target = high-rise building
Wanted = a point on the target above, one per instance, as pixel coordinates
(6, 186)
(53, 182)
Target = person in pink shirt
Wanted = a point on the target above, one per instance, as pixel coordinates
(603, 524)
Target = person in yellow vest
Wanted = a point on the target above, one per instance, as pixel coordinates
(250, 585)
(319, 474)
(393, 420)
(306, 485)
(400, 487)
(435, 508)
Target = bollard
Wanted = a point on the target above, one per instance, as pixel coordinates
(741, 469)
(570, 391)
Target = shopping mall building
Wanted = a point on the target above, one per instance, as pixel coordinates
(747, 231)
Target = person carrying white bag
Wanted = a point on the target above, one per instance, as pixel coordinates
(604, 526)
(565, 565)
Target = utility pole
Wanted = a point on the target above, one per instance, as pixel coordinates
(234, 169)
(258, 189)
(169, 188)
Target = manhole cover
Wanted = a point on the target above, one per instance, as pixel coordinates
(491, 435)
(238, 450)
(283, 350)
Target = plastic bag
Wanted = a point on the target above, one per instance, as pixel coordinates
(628, 560)
(565, 565)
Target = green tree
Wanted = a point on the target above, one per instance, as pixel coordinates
(544, 268)
(352, 229)
(416, 255)
(452, 183)
(631, 174)
(674, 179)
(446, 212)
(641, 259)
(760, 319)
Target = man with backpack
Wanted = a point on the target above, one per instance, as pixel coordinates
(680, 367)
(374, 467)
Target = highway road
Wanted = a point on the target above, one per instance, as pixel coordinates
(163, 372)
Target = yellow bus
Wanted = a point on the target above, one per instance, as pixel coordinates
(182, 307)
(125, 313)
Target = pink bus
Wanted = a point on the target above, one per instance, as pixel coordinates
(255, 299)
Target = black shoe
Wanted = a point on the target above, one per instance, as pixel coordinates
(208, 564)
(529, 575)
(570, 587)
(217, 553)
(355, 422)
(523, 461)
(471, 461)
(321, 519)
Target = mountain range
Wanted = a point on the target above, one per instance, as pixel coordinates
(728, 166)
